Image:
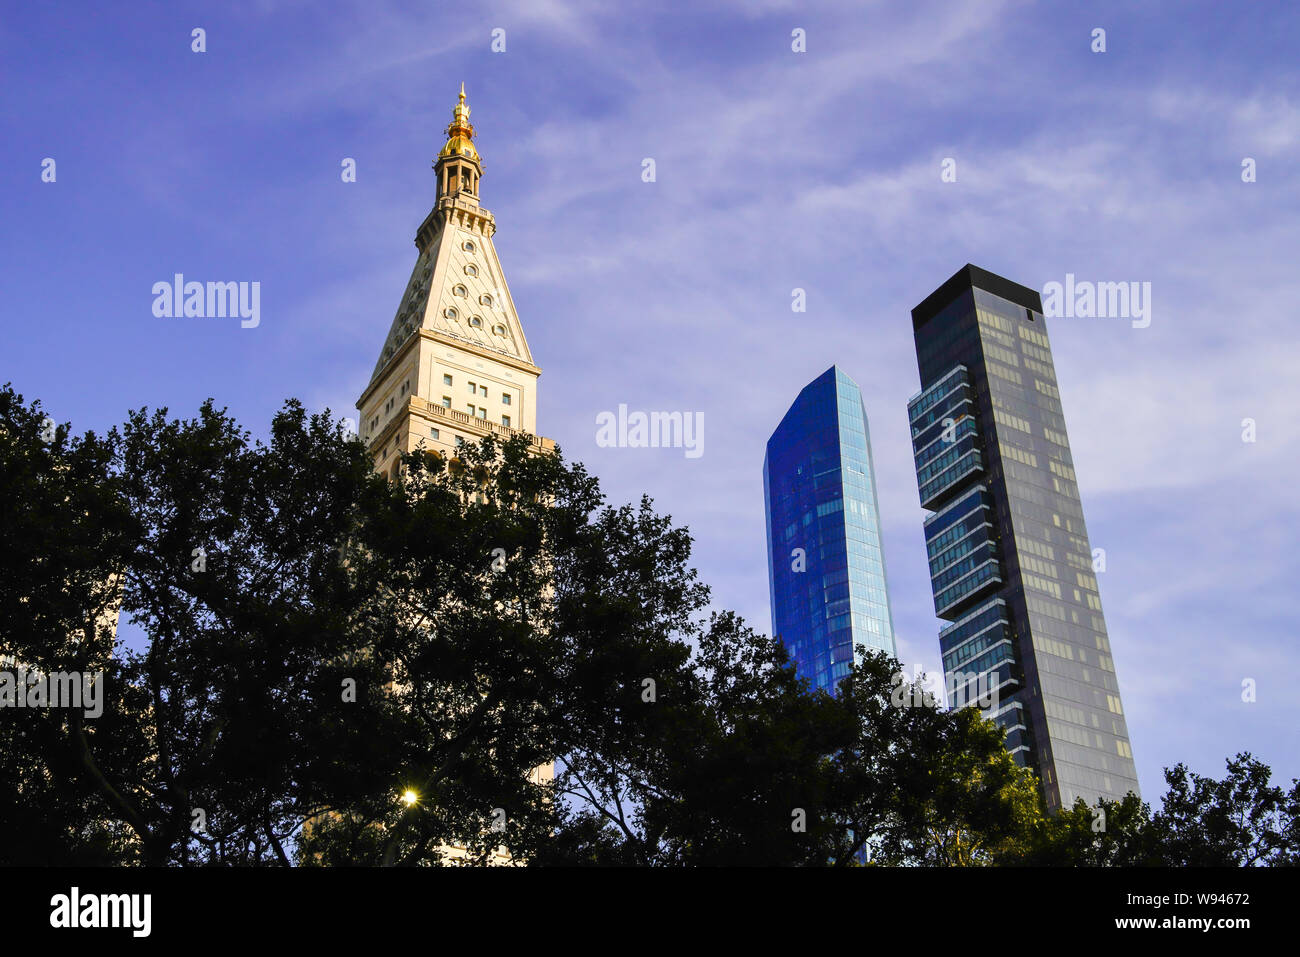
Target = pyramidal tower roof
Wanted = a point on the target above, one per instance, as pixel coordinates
(457, 287)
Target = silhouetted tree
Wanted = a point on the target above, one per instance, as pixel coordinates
(341, 669)
(1239, 821)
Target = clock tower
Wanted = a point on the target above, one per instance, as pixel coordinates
(455, 365)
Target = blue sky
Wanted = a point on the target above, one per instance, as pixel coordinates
(775, 170)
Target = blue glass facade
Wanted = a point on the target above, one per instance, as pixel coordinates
(826, 570)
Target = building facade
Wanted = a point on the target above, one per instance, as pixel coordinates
(1011, 566)
(455, 365)
(826, 568)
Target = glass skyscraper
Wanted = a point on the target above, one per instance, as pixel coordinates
(826, 570)
(1011, 566)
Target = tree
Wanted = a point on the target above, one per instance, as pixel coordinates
(750, 767)
(1110, 834)
(727, 763)
(1240, 821)
(342, 669)
(322, 643)
(930, 786)
(63, 536)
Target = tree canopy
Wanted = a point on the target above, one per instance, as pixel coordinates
(334, 668)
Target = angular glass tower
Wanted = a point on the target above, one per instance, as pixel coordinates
(1011, 566)
(826, 570)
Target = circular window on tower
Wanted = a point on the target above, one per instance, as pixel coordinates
(471, 270)
(485, 299)
(451, 313)
(476, 322)
(460, 291)
(468, 246)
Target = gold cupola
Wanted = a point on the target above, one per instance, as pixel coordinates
(460, 134)
(458, 164)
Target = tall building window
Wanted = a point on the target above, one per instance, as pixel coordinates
(505, 420)
(505, 398)
(446, 402)
(446, 380)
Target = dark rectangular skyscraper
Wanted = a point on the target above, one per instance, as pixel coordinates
(825, 566)
(1010, 562)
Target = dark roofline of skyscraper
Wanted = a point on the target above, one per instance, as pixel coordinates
(972, 277)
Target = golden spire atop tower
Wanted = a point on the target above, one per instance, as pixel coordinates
(460, 132)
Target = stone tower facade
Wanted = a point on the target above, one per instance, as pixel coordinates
(455, 365)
